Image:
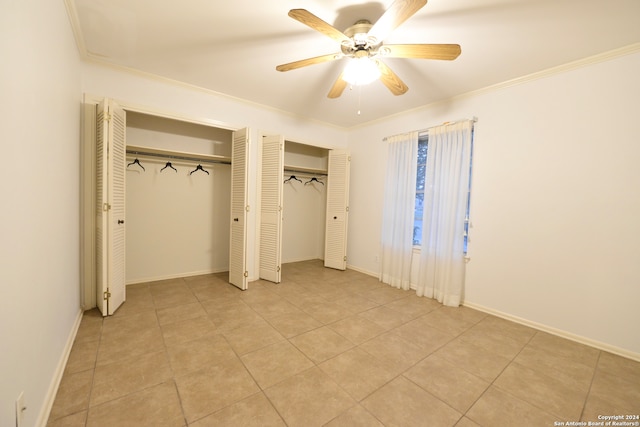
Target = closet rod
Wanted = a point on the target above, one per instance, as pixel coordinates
(305, 172)
(178, 157)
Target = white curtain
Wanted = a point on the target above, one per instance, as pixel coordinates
(399, 202)
(442, 269)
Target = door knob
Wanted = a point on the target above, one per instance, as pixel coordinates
(121, 221)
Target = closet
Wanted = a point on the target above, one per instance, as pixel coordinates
(180, 185)
(178, 195)
(304, 205)
(304, 202)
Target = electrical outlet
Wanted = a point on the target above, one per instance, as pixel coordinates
(20, 408)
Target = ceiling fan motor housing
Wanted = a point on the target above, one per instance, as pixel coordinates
(360, 44)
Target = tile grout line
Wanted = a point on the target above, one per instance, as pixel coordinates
(331, 296)
(532, 403)
(166, 353)
(93, 375)
(491, 384)
(593, 377)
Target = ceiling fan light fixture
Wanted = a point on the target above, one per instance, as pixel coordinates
(363, 44)
(361, 71)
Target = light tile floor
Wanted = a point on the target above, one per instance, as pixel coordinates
(326, 347)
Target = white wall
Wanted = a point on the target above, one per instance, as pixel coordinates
(303, 219)
(302, 155)
(177, 222)
(555, 200)
(39, 184)
(180, 100)
(146, 130)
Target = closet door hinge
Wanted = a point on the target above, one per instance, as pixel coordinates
(247, 208)
(246, 274)
(345, 258)
(278, 269)
(106, 207)
(106, 295)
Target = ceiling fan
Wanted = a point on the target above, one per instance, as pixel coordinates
(364, 40)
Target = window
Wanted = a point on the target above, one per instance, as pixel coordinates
(423, 143)
(420, 176)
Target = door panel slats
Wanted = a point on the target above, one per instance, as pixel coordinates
(238, 242)
(271, 208)
(337, 210)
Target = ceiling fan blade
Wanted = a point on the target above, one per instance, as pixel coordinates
(390, 79)
(312, 21)
(309, 61)
(398, 12)
(422, 51)
(338, 87)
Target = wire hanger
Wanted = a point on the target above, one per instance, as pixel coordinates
(199, 168)
(169, 165)
(292, 177)
(314, 179)
(137, 162)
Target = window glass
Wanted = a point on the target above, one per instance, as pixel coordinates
(420, 182)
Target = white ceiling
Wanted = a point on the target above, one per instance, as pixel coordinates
(233, 47)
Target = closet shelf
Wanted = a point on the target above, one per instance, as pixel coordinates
(183, 155)
(302, 169)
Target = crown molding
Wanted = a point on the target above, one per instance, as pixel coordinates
(72, 13)
(90, 58)
(560, 69)
(573, 65)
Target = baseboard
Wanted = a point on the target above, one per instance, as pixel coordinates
(539, 326)
(363, 271)
(558, 332)
(57, 377)
(175, 276)
(292, 260)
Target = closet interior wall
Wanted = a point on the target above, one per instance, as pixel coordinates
(177, 220)
(304, 203)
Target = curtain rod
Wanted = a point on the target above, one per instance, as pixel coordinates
(474, 119)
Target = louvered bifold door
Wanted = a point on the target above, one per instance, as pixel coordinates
(335, 246)
(117, 167)
(238, 240)
(271, 207)
(110, 196)
(102, 206)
